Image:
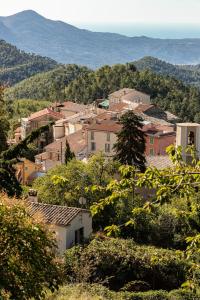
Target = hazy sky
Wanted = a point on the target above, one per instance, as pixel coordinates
(92, 11)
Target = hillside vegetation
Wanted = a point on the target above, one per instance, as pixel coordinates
(168, 92)
(16, 65)
(48, 85)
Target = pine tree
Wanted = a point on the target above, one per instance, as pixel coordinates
(69, 155)
(130, 146)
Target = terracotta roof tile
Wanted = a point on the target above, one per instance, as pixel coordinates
(75, 107)
(54, 214)
(105, 125)
(159, 161)
(44, 112)
(126, 92)
(76, 142)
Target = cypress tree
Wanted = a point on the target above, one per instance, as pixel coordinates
(69, 155)
(130, 145)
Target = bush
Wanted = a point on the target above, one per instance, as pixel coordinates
(116, 262)
(28, 264)
(99, 292)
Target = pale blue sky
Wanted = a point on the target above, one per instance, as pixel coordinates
(94, 11)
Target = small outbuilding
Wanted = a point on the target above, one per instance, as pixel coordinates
(72, 225)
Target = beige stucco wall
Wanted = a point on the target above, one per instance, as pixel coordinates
(58, 131)
(140, 98)
(81, 220)
(137, 99)
(61, 236)
(100, 138)
(65, 235)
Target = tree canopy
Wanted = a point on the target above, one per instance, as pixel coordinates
(28, 263)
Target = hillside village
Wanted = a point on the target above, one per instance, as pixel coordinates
(90, 129)
(99, 168)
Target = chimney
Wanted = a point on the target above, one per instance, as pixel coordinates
(32, 196)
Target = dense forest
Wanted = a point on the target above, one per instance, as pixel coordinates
(168, 92)
(48, 85)
(16, 65)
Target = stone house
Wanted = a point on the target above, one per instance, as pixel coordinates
(71, 225)
(37, 120)
(128, 96)
(54, 153)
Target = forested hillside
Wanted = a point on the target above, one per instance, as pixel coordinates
(16, 65)
(188, 74)
(168, 92)
(49, 85)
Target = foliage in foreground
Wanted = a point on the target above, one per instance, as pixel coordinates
(99, 292)
(118, 264)
(28, 263)
(8, 158)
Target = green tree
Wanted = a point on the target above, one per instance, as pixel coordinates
(9, 157)
(65, 184)
(130, 145)
(28, 263)
(69, 155)
(4, 123)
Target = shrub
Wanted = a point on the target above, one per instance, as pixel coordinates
(28, 264)
(116, 262)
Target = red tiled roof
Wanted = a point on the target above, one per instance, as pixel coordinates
(44, 112)
(159, 161)
(105, 125)
(119, 107)
(126, 92)
(55, 214)
(75, 107)
(141, 108)
(76, 142)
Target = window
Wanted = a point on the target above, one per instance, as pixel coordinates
(79, 236)
(108, 137)
(191, 139)
(92, 135)
(107, 147)
(151, 140)
(151, 152)
(93, 146)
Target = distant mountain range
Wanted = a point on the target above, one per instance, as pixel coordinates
(65, 43)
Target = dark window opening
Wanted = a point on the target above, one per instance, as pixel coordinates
(191, 139)
(79, 236)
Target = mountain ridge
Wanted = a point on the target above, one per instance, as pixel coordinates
(68, 44)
